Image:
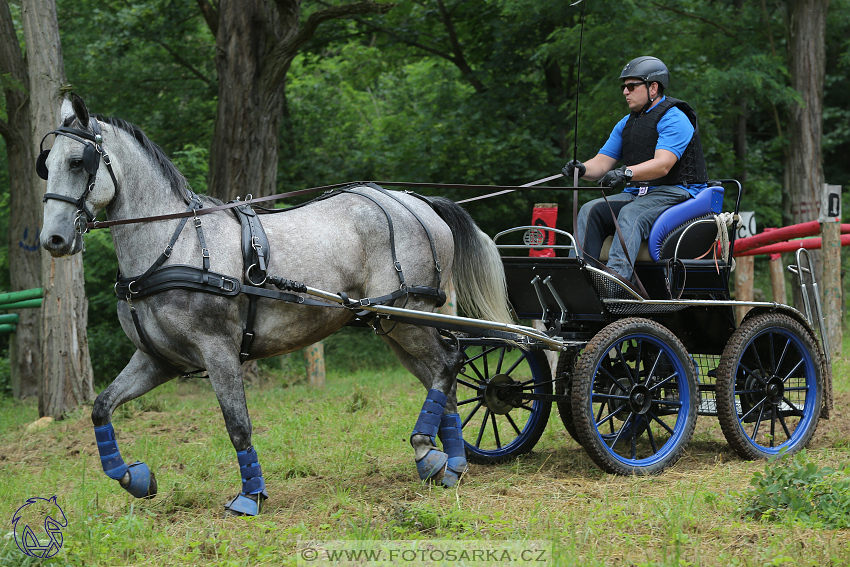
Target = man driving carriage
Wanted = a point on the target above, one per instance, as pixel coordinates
(663, 164)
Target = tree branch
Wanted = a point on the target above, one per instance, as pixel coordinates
(210, 14)
(459, 58)
(283, 54)
(698, 18)
(192, 69)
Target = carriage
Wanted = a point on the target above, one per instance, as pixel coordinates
(632, 374)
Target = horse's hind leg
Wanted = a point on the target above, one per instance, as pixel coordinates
(428, 357)
(141, 375)
(226, 378)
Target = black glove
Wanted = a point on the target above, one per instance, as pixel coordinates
(569, 169)
(615, 179)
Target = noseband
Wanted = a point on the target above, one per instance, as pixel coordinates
(93, 152)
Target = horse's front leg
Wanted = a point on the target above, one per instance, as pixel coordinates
(226, 378)
(141, 375)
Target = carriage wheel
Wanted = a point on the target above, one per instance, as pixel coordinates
(635, 398)
(769, 387)
(499, 422)
(564, 389)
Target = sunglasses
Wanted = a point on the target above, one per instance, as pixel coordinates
(630, 86)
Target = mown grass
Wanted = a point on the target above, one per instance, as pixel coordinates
(338, 466)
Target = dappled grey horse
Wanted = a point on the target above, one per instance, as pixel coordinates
(187, 301)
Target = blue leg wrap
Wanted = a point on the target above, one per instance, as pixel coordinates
(452, 437)
(428, 424)
(252, 475)
(253, 484)
(110, 457)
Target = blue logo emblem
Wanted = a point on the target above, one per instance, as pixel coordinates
(38, 527)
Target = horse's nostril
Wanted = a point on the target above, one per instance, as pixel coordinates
(56, 242)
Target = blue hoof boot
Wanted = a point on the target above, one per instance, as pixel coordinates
(456, 467)
(431, 464)
(245, 504)
(142, 482)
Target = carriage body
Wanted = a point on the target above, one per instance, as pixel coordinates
(635, 373)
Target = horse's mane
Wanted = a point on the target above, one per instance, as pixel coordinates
(175, 179)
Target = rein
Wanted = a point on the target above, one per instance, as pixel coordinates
(502, 189)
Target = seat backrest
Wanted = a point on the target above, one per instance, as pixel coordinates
(707, 202)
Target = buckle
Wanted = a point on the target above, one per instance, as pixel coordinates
(205, 252)
(228, 281)
(167, 251)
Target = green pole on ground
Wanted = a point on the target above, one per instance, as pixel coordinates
(9, 318)
(21, 295)
(21, 304)
(7, 329)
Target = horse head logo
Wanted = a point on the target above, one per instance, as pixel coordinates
(38, 527)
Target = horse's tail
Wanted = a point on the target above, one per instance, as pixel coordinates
(477, 274)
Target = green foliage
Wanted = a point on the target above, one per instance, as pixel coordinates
(794, 489)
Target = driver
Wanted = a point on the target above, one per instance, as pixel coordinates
(663, 164)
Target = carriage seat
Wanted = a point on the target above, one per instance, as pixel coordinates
(672, 224)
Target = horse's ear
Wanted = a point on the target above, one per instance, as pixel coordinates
(80, 110)
(66, 112)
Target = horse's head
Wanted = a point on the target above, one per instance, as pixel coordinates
(75, 191)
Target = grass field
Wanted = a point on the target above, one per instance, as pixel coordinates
(339, 467)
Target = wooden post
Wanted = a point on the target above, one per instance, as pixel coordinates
(831, 284)
(450, 306)
(315, 356)
(777, 279)
(777, 276)
(743, 284)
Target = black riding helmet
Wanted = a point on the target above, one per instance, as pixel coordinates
(648, 69)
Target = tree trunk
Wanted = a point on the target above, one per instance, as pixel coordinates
(24, 258)
(256, 41)
(244, 153)
(66, 379)
(804, 165)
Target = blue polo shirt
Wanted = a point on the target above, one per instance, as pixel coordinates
(674, 134)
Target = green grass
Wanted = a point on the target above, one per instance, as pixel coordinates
(338, 466)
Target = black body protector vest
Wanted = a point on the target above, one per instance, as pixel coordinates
(640, 135)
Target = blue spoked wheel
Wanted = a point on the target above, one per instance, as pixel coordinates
(499, 419)
(769, 387)
(634, 398)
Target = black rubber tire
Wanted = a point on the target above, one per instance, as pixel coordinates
(771, 370)
(639, 376)
(564, 389)
(507, 427)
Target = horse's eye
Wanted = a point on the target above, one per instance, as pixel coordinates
(76, 163)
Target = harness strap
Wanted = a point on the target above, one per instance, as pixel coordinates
(139, 281)
(396, 263)
(377, 187)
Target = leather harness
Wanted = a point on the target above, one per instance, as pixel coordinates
(255, 256)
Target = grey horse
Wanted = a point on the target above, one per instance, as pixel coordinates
(340, 243)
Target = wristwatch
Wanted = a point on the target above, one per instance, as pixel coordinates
(628, 172)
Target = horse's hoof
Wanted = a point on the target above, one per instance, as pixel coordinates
(139, 481)
(455, 469)
(245, 505)
(432, 465)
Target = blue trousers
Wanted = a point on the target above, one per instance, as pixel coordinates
(635, 215)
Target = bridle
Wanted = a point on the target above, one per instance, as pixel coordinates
(93, 152)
